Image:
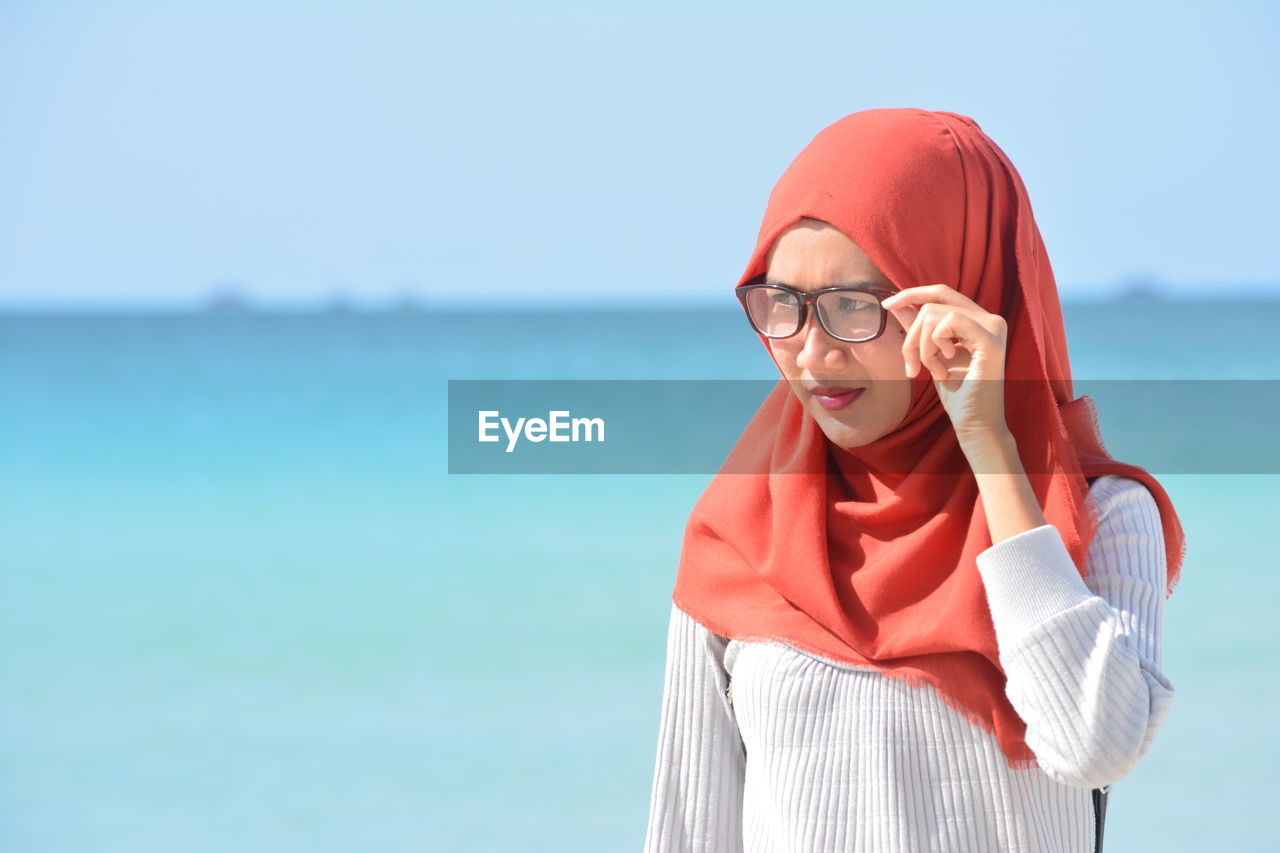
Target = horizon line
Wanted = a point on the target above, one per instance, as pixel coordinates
(239, 303)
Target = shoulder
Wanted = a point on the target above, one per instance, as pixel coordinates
(686, 629)
(1112, 494)
(1128, 520)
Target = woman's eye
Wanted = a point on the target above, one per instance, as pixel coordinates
(849, 303)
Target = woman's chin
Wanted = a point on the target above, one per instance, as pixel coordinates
(844, 435)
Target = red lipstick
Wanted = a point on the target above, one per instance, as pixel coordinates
(832, 397)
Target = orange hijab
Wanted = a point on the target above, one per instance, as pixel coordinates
(866, 555)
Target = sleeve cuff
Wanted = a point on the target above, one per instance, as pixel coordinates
(1029, 578)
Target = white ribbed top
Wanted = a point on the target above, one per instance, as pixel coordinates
(808, 754)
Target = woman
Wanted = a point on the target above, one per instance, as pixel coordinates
(920, 607)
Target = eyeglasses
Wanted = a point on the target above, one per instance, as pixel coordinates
(850, 314)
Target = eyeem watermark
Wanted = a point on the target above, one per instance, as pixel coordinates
(695, 426)
(559, 426)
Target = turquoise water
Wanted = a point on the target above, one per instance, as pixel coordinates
(243, 607)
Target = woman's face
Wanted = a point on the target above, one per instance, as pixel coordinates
(811, 255)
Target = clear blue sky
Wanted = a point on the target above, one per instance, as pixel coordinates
(151, 151)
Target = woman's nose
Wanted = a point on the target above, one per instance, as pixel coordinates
(819, 351)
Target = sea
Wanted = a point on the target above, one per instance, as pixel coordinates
(245, 606)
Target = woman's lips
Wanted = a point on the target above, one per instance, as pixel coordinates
(836, 398)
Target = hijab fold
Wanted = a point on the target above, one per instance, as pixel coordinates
(867, 555)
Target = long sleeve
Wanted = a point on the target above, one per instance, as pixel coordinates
(696, 804)
(1082, 656)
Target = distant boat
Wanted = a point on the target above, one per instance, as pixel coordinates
(406, 303)
(338, 303)
(227, 300)
(1140, 289)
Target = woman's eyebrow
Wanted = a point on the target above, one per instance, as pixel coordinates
(862, 284)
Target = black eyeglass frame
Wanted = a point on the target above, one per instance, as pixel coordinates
(809, 298)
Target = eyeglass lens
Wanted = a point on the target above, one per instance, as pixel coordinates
(847, 314)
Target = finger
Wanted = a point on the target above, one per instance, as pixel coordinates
(968, 332)
(899, 308)
(911, 343)
(942, 293)
(935, 365)
(922, 345)
(930, 356)
(906, 314)
(946, 335)
(955, 343)
(943, 338)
